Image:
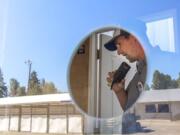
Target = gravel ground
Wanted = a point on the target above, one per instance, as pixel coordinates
(151, 127)
(160, 127)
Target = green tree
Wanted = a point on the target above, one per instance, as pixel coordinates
(174, 84)
(156, 80)
(34, 85)
(3, 88)
(21, 91)
(48, 88)
(178, 81)
(43, 82)
(14, 85)
(163, 81)
(146, 87)
(166, 81)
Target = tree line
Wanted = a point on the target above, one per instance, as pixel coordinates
(35, 86)
(38, 87)
(163, 81)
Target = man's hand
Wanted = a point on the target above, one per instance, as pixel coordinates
(117, 87)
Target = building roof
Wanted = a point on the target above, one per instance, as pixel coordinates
(49, 98)
(169, 95)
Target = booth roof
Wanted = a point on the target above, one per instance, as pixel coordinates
(166, 95)
(48, 98)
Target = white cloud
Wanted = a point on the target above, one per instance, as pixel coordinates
(161, 33)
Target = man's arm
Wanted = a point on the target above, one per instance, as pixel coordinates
(118, 88)
(121, 94)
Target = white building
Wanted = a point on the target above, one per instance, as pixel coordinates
(159, 104)
(53, 113)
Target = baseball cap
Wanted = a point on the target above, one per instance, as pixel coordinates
(111, 45)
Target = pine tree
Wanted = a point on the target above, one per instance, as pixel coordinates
(178, 81)
(48, 87)
(14, 85)
(156, 80)
(146, 87)
(3, 88)
(163, 81)
(34, 85)
(21, 91)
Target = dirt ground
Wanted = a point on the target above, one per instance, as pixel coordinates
(26, 133)
(150, 127)
(160, 127)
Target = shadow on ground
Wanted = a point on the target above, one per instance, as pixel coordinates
(131, 126)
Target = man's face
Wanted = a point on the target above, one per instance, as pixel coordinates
(125, 47)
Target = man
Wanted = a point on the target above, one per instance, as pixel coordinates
(128, 46)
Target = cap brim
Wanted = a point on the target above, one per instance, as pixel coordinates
(110, 45)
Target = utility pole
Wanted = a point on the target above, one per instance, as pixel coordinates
(29, 63)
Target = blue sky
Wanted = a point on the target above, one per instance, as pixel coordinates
(48, 31)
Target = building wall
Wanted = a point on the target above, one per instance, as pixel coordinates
(141, 112)
(79, 76)
(4, 123)
(58, 118)
(25, 123)
(175, 108)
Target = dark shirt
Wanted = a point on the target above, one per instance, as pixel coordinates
(129, 124)
(133, 90)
